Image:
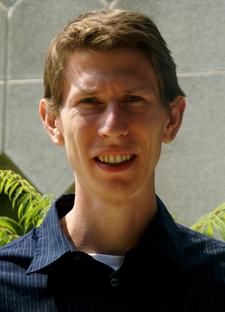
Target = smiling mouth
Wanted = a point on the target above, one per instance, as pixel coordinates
(114, 160)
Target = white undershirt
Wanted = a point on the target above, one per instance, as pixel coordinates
(113, 261)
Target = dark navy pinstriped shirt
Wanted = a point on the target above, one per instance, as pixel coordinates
(172, 269)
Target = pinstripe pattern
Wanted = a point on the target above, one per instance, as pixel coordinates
(173, 269)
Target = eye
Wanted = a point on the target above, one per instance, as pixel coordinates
(135, 103)
(132, 98)
(89, 100)
(89, 105)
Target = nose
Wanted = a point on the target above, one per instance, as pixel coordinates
(113, 123)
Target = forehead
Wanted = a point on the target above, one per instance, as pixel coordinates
(124, 68)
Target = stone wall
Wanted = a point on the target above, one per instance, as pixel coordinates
(191, 174)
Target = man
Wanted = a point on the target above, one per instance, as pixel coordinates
(111, 99)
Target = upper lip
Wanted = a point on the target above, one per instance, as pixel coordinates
(114, 151)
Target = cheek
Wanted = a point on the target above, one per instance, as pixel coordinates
(74, 128)
(152, 137)
(79, 137)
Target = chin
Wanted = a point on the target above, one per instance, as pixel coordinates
(119, 189)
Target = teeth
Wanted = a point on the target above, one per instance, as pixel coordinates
(114, 159)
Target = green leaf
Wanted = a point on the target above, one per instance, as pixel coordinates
(6, 237)
(213, 223)
(11, 226)
(24, 205)
(30, 205)
(12, 189)
(209, 230)
(220, 226)
(8, 185)
(17, 197)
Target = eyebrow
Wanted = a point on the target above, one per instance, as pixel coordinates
(94, 91)
(82, 91)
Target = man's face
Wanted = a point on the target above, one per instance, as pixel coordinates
(112, 122)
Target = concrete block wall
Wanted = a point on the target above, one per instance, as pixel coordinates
(191, 172)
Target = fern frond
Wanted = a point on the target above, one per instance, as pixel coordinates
(35, 212)
(30, 205)
(213, 223)
(11, 226)
(6, 237)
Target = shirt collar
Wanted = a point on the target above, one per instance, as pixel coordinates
(164, 233)
(52, 243)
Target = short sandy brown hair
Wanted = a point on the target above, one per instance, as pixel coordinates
(104, 30)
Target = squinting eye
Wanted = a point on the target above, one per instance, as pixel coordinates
(89, 100)
(132, 98)
(134, 103)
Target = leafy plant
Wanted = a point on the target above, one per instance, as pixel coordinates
(213, 223)
(30, 206)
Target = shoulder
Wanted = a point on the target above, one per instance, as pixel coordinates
(201, 251)
(193, 246)
(195, 251)
(191, 238)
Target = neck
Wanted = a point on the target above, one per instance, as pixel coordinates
(110, 227)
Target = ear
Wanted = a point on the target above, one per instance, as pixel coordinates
(51, 123)
(175, 117)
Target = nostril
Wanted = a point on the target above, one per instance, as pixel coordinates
(113, 131)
